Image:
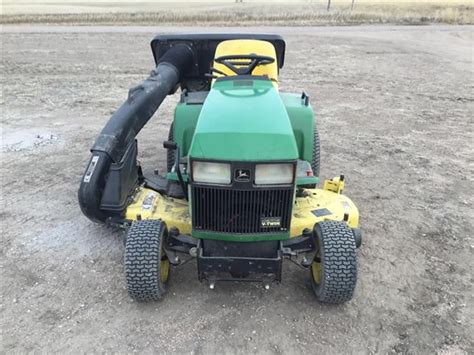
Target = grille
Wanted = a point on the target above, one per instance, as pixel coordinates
(241, 211)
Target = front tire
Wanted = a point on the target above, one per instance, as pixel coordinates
(334, 269)
(146, 265)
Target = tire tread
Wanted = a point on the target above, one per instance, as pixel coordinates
(339, 261)
(170, 154)
(315, 161)
(142, 260)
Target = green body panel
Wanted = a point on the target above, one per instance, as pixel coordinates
(174, 176)
(240, 237)
(243, 120)
(248, 121)
(302, 121)
(185, 120)
(308, 180)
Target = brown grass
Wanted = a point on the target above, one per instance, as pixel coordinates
(266, 14)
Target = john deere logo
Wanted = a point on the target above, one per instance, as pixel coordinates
(242, 175)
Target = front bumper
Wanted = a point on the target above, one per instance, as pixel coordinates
(225, 261)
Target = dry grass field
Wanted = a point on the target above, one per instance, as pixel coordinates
(228, 13)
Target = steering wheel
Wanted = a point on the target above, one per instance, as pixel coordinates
(248, 62)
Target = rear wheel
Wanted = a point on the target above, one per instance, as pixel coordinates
(334, 269)
(170, 155)
(146, 265)
(316, 152)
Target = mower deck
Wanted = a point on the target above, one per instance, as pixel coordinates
(314, 206)
(225, 258)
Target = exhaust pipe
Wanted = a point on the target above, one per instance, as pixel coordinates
(124, 125)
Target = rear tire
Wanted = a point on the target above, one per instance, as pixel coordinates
(146, 265)
(334, 269)
(315, 161)
(170, 154)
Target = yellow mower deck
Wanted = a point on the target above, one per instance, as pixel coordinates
(318, 205)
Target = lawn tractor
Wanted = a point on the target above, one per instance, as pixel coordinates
(239, 195)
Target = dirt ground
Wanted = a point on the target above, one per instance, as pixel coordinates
(395, 107)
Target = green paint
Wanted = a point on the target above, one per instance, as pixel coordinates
(245, 120)
(174, 176)
(302, 121)
(308, 180)
(244, 123)
(185, 120)
(240, 237)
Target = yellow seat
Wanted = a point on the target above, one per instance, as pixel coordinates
(245, 47)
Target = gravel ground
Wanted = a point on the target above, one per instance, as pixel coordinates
(395, 106)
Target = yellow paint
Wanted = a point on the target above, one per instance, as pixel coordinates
(316, 272)
(317, 199)
(175, 212)
(164, 270)
(334, 185)
(245, 47)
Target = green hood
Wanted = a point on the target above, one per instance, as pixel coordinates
(244, 120)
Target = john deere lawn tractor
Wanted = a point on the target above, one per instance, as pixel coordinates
(239, 195)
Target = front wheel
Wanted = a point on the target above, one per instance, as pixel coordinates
(334, 268)
(146, 265)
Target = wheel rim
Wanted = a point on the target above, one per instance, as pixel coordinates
(316, 272)
(164, 270)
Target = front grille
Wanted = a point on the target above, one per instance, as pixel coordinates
(241, 211)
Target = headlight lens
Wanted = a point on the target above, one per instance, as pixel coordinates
(212, 173)
(271, 174)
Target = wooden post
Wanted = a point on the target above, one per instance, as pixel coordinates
(329, 4)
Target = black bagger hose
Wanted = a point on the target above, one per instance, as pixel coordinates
(122, 128)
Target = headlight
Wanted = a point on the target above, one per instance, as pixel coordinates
(212, 173)
(271, 174)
